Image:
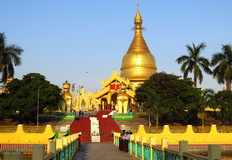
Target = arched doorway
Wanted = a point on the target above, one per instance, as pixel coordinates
(104, 104)
(114, 100)
(83, 104)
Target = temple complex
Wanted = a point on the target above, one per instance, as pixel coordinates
(138, 64)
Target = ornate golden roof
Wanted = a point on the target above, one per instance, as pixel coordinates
(138, 63)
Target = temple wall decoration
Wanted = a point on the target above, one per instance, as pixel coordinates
(67, 97)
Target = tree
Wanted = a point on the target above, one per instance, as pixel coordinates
(194, 62)
(171, 94)
(154, 105)
(9, 56)
(24, 95)
(223, 63)
(205, 98)
(223, 101)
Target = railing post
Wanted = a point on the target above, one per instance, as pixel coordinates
(137, 139)
(59, 143)
(38, 152)
(13, 155)
(152, 142)
(214, 152)
(164, 144)
(51, 147)
(131, 146)
(143, 140)
(183, 147)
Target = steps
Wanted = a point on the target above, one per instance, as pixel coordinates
(106, 126)
(81, 125)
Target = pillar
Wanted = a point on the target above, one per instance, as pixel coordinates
(38, 152)
(164, 144)
(214, 152)
(51, 147)
(143, 140)
(151, 142)
(119, 106)
(183, 147)
(59, 143)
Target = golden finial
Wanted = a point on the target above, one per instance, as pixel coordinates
(137, 2)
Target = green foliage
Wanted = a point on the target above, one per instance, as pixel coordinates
(169, 94)
(223, 101)
(223, 66)
(9, 56)
(194, 62)
(205, 99)
(24, 95)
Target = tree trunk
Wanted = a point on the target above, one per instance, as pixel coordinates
(195, 81)
(157, 121)
(202, 121)
(228, 84)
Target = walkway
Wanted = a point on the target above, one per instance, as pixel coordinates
(102, 151)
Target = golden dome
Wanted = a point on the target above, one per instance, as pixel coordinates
(138, 63)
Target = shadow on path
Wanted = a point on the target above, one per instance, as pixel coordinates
(102, 151)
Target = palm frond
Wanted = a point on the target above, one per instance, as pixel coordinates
(182, 59)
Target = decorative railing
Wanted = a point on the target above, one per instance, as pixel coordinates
(139, 150)
(123, 116)
(157, 153)
(63, 154)
(59, 149)
(129, 149)
(133, 147)
(138, 147)
(147, 152)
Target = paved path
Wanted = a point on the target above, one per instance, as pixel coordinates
(102, 151)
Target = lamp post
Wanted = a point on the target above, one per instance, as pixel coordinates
(37, 124)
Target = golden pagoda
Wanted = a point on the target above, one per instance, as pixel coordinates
(118, 91)
(138, 63)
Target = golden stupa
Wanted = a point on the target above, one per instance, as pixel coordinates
(138, 63)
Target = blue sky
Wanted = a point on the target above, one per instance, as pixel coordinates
(83, 41)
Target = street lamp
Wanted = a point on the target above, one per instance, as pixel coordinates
(38, 109)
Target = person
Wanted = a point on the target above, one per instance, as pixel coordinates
(80, 143)
(125, 143)
(126, 140)
(121, 140)
(80, 113)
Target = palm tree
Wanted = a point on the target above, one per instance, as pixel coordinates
(223, 63)
(9, 56)
(204, 100)
(154, 104)
(194, 62)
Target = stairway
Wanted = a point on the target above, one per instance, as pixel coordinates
(82, 125)
(106, 126)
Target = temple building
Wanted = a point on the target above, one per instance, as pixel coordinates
(138, 64)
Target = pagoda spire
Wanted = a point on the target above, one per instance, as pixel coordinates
(138, 63)
(138, 20)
